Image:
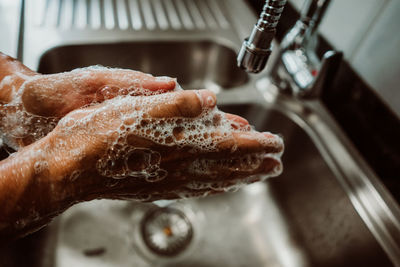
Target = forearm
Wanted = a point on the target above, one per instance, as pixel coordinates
(32, 190)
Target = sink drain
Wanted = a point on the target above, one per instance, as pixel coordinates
(166, 231)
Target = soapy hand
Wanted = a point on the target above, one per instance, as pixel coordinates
(33, 103)
(172, 145)
(110, 133)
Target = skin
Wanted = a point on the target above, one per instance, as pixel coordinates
(30, 197)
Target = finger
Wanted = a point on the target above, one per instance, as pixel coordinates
(177, 184)
(131, 79)
(239, 122)
(188, 104)
(159, 83)
(238, 170)
(242, 121)
(58, 94)
(251, 142)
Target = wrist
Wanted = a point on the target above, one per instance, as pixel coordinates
(9, 67)
(72, 163)
(29, 194)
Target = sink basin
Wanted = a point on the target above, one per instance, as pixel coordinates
(326, 209)
(302, 218)
(203, 64)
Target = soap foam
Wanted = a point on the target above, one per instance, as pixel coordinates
(17, 123)
(201, 134)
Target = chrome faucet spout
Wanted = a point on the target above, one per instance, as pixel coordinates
(256, 49)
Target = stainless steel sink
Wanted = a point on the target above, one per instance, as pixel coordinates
(326, 209)
(302, 218)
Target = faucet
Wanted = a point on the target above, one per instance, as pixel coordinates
(297, 68)
(257, 48)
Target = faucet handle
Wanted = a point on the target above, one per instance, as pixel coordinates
(309, 84)
(298, 69)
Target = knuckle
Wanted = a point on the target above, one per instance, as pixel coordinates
(188, 104)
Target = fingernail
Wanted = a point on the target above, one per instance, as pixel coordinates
(208, 98)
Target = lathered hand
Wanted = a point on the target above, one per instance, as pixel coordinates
(146, 148)
(156, 143)
(31, 103)
(166, 146)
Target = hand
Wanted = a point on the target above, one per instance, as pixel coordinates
(112, 138)
(33, 103)
(157, 147)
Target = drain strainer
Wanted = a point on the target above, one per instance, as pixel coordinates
(166, 231)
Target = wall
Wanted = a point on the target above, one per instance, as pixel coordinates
(367, 31)
(9, 22)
